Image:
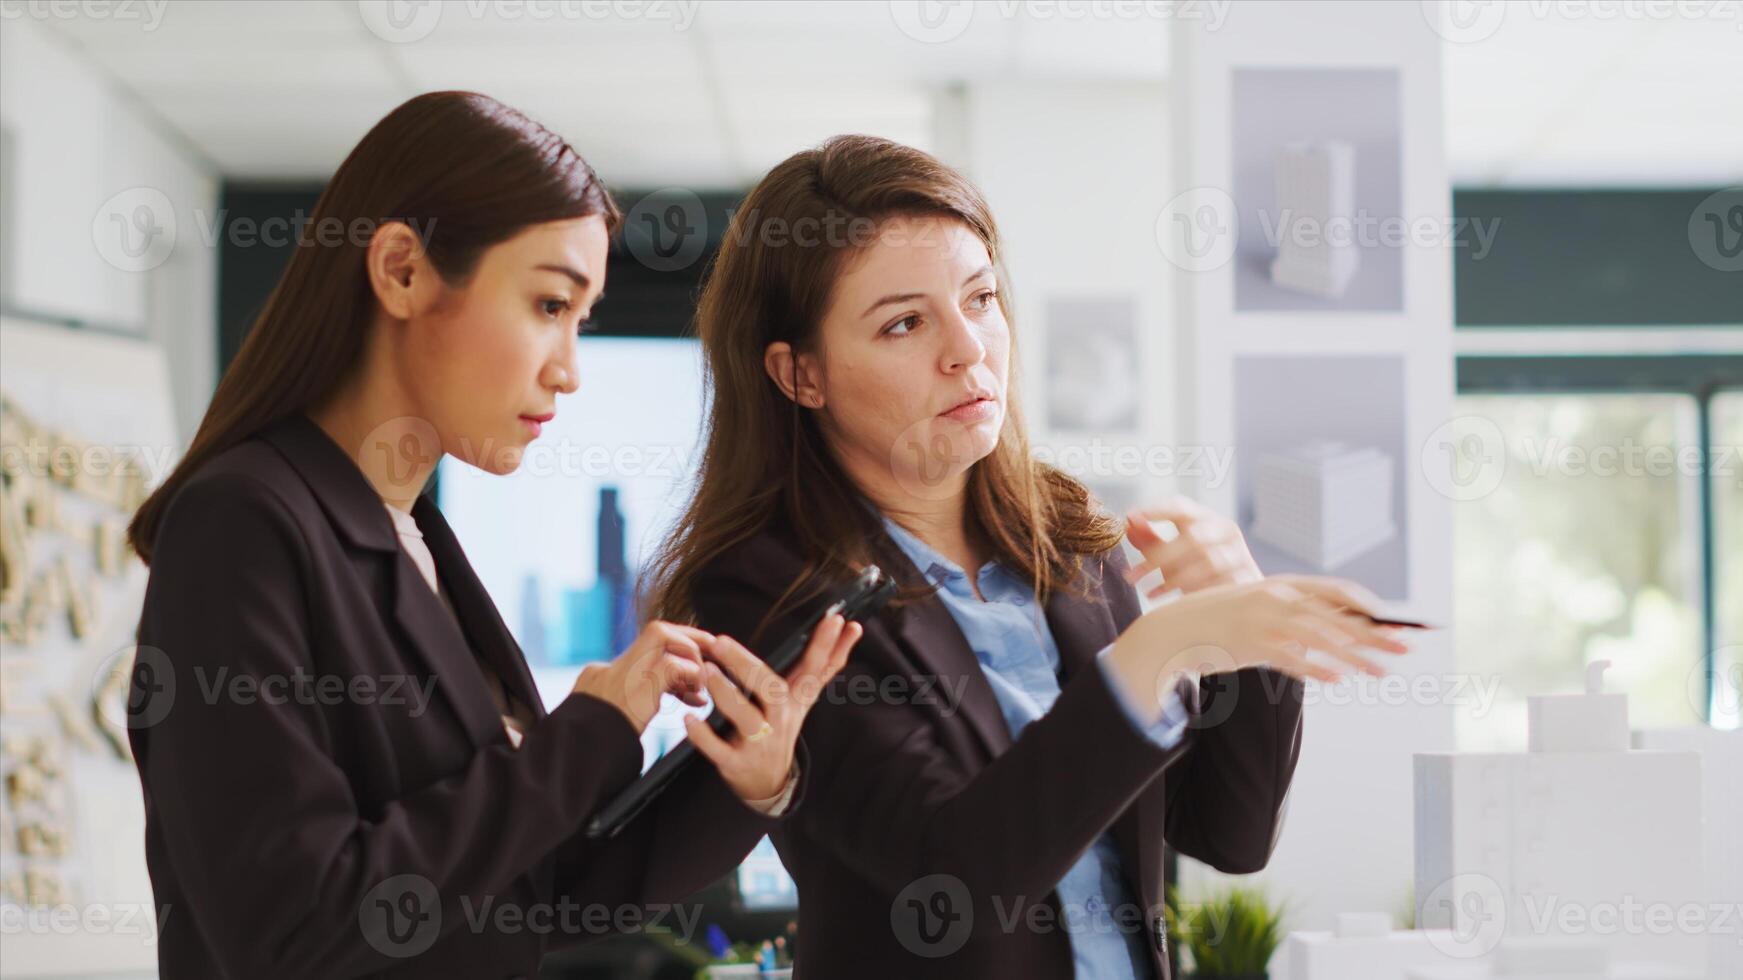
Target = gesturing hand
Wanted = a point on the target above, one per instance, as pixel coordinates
(755, 758)
(1208, 550)
(1271, 623)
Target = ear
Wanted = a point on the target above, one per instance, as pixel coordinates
(396, 263)
(797, 375)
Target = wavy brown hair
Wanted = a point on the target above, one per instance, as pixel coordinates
(465, 172)
(765, 461)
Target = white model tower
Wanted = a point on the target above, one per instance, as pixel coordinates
(1577, 848)
(1324, 503)
(1316, 202)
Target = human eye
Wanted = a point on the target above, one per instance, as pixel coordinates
(908, 325)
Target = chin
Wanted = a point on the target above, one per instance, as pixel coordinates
(497, 455)
(981, 445)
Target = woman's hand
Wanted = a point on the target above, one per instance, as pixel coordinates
(1273, 623)
(1208, 550)
(755, 758)
(665, 659)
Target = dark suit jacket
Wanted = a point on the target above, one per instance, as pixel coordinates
(931, 842)
(310, 812)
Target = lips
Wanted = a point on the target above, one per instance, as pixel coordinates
(973, 411)
(979, 395)
(541, 419)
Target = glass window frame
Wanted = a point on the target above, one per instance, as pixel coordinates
(1701, 376)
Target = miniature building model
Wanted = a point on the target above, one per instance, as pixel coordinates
(1579, 838)
(1315, 198)
(1324, 503)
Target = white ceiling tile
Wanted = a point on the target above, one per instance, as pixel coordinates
(186, 23)
(285, 88)
(306, 68)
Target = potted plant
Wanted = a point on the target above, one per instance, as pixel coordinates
(1231, 935)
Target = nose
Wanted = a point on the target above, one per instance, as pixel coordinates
(962, 345)
(560, 373)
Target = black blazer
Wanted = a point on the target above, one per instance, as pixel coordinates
(310, 812)
(931, 842)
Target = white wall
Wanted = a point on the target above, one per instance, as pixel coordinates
(1030, 146)
(77, 141)
(1347, 842)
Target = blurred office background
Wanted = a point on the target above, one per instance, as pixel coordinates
(1575, 333)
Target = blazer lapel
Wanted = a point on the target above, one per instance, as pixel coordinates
(479, 616)
(1081, 628)
(359, 515)
(932, 638)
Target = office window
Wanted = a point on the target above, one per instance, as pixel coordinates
(1727, 477)
(1588, 548)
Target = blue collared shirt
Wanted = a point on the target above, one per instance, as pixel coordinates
(1008, 631)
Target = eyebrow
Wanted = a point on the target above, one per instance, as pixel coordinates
(905, 297)
(578, 276)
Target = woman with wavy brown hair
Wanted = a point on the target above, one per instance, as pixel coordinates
(347, 768)
(996, 771)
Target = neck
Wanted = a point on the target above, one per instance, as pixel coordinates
(938, 517)
(367, 416)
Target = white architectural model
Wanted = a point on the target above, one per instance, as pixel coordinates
(1548, 958)
(1364, 946)
(1316, 202)
(1580, 838)
(1324, 503)
(1722, 784)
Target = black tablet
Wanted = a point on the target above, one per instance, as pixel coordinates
(864, 597)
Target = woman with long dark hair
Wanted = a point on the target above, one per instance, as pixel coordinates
(996, 772)
(347, 769)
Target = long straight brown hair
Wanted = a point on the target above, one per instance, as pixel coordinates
(765, 460)
(465, 172)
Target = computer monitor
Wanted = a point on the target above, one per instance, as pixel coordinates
(559, 543)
